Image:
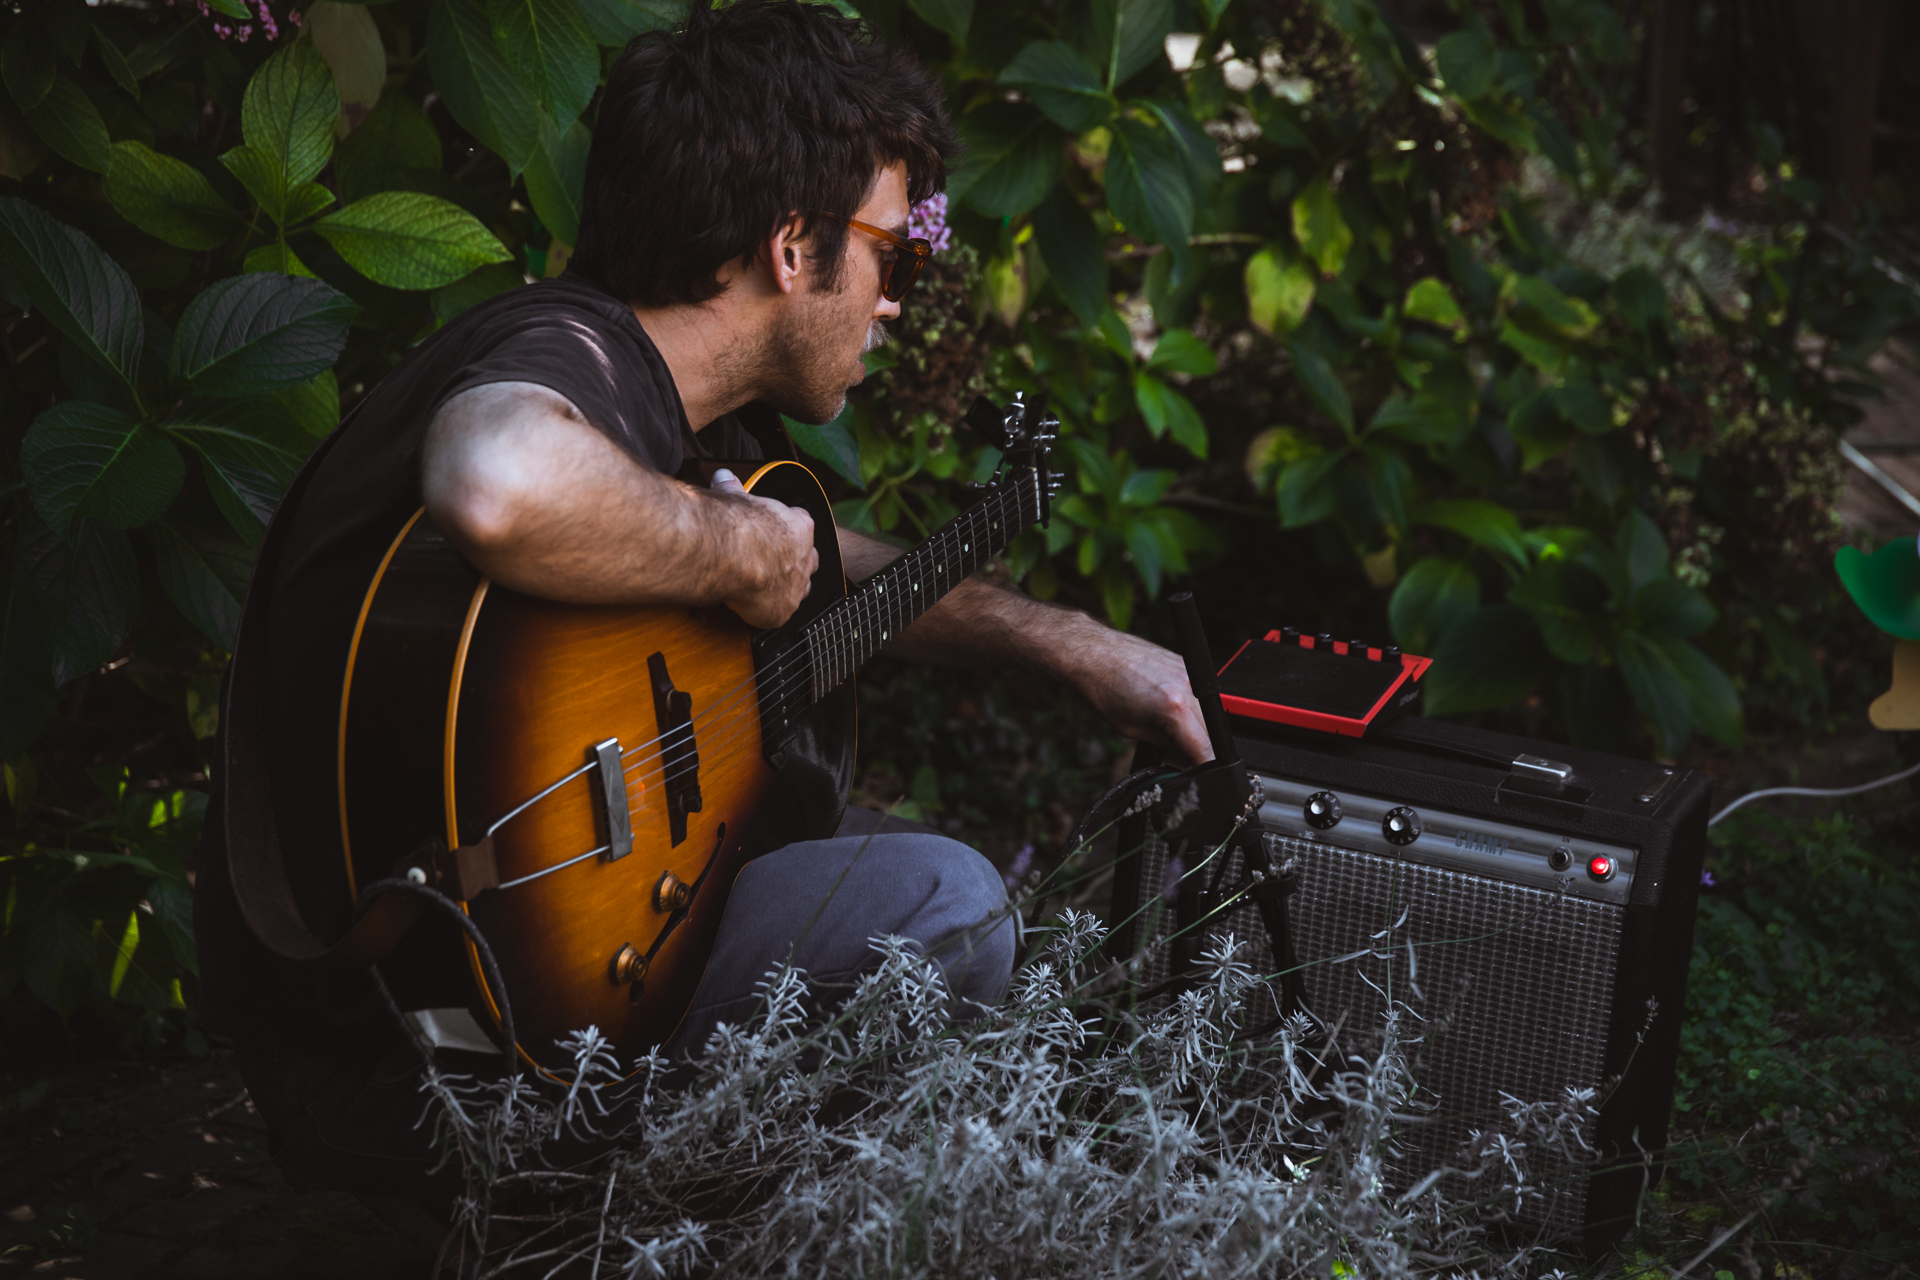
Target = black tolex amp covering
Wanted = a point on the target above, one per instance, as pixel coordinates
(1536, 973)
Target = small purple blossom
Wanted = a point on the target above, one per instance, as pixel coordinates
(1017, 870)
(267, 24)
(1706, 880)
(928, 221)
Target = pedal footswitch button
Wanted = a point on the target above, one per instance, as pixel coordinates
(1401, 826)
(1601, 867)
(1322, 810)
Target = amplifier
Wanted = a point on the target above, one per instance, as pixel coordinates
(1551, 892)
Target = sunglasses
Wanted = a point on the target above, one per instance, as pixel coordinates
(910, 257)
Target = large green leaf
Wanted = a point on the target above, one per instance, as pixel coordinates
(1666, 609)
(168, 198)
(1431, 300)
(67, 121)
(82, 292)
(1488, 660)
(26, 673)
(1169, 413)
(1321, 384)
(1308, 490)
(246, 476)
(475, 82)
(1012, 159)
(24, 63)
(1061, 83)
(1076, 258)
(1658, 689)
(1179, 351)
(86, 588)
(395, 138)
(831, 443)
(406, 240)
(955, 17)
(1322, 232)
(1430, 597)
(1485, 524)
(1280, 290)
(1711, 697)
(614, 22)
(261, 332)
(474, 288)
(205, 575)
(1467, 61)
(1128, 34)
(1147, 187)
(62, 958)
(81, 459)
(551, 52)
(557, 177)
(347, 38)
(289, 111)
(116, 63)
(264, 177)
(1568, 604)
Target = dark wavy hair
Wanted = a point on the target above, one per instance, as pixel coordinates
(709, 138)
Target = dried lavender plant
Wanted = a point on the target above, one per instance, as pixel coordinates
(1057, 1135)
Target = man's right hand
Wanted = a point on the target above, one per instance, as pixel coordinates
(779, 545)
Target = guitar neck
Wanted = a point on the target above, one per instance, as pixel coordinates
(840, 640)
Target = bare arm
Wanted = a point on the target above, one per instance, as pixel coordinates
(542, 502)
(1136, 684)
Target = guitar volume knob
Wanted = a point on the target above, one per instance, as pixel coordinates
(627, 966)
(671, 893)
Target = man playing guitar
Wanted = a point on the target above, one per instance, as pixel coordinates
(742, 241)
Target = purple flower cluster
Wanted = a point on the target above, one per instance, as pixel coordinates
(928, 221)
(268, 25)
(1706, 880)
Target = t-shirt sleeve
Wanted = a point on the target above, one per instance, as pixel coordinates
(594, 366)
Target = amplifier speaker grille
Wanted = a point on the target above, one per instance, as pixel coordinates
(1517, 985)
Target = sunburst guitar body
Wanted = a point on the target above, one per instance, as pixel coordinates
(587, 780)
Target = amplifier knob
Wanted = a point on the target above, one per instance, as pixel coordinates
(1401, 826)
(1322, 810)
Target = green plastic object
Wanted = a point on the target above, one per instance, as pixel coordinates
(1886, 585)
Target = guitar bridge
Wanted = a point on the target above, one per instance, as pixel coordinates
(679, 755)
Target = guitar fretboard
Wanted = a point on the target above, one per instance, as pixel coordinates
(849, 633)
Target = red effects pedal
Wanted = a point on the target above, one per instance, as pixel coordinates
(1316, 682)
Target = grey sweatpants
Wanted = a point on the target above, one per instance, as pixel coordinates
(818, 903)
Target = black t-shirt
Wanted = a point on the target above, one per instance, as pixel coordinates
(562, 334)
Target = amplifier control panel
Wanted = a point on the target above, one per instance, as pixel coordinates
(1535, 856)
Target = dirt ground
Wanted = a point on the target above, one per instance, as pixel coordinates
(132, 1171)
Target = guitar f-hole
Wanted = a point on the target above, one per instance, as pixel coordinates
(679, 755)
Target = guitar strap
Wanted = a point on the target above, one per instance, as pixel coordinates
(255, 868)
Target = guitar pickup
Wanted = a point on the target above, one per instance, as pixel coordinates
(679, 755)
(613, 796)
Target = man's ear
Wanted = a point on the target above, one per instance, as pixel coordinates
(787, 253)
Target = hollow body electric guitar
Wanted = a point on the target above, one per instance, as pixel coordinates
(588, 780)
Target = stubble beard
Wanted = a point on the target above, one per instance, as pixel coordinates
(811, 377)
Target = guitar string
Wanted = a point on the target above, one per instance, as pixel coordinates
(837, 676)
(842, 659)
(829, 657)
(802, 660)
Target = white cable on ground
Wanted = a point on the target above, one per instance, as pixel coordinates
(1814, 791)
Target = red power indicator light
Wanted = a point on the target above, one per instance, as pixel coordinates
(1601, 868)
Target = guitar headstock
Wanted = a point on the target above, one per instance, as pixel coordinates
(1024, 433)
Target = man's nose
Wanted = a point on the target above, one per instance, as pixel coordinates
(887, 309)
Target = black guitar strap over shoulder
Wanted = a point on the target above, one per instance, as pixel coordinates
(242, 798)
